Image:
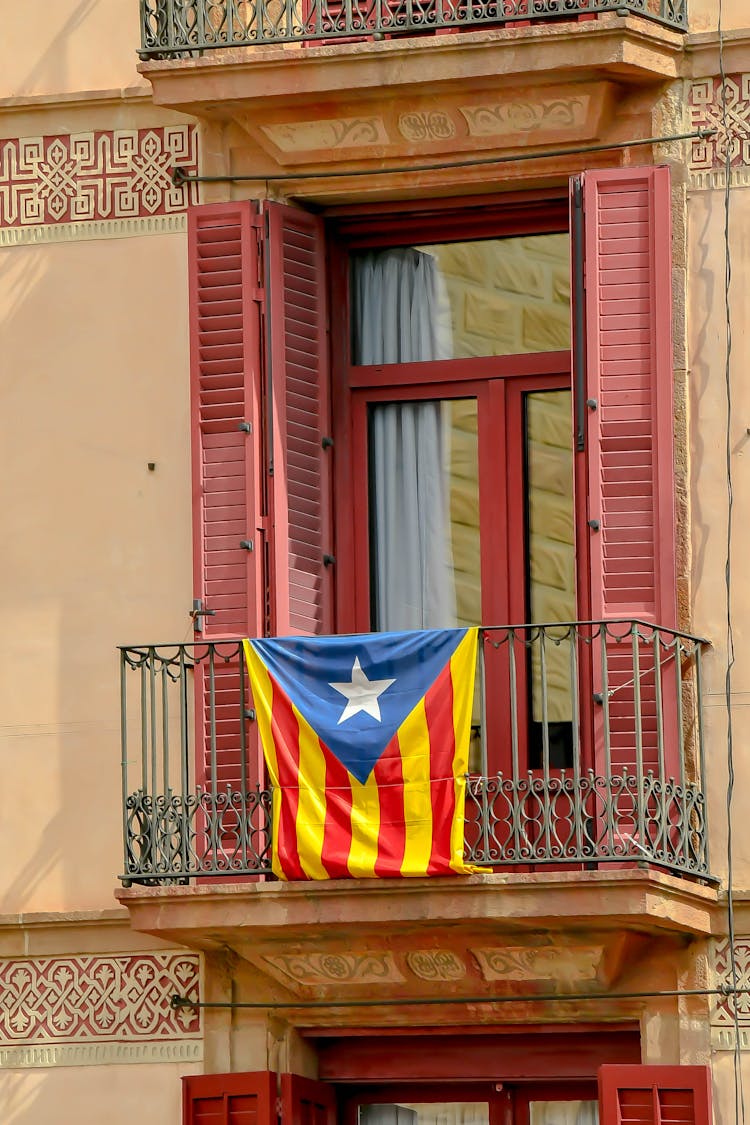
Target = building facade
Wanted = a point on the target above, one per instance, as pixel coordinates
(327, 318)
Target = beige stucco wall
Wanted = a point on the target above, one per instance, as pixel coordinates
(97, 549)
(708, 413)
(68, 47)
(117, 1094)
(704, 14)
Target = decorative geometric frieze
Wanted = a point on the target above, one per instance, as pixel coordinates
(67, 1010)
(727, 111)
(723, 1008)
(436, 964)
(336, 968)
(95, 181)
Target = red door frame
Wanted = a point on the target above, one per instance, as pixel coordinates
(507, 1104)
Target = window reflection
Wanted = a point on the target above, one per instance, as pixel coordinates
(564, 1113)
(458, 300)
(425, 1113)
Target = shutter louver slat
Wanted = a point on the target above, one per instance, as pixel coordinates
(299, 375)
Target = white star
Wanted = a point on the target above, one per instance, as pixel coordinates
(361, 694)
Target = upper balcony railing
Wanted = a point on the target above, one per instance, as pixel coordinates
(178, 28)
(587, 750)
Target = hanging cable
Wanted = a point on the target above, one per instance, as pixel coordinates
(739, 1096)
(178, 1001)
(179, 176)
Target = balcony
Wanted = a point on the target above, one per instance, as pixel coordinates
(587, 754)
(180, 28)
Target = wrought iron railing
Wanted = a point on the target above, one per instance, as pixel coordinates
(172, 28)
(587, 749)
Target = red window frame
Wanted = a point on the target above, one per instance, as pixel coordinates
(392, 225)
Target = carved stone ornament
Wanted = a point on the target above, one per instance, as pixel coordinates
(430, 125)
(503, 118)
(574, 965)
(337, 133)
(337, 968)
(436, 964)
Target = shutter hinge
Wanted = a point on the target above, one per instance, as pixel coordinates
(592, 403)
(198, 613)
(247, 544)
(329, 560)
(594, 525)
(327, 442)
(246, 427)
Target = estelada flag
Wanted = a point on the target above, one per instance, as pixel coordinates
(366, 740)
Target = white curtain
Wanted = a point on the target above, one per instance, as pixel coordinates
(401, 315)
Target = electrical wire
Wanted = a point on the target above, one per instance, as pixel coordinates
(178, 1001)
(179, 176)
(739, 1096)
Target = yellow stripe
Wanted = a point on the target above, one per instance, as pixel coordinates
(365, 828)
(262, 692)
(414, 740)
(463, 669)
(311, 810)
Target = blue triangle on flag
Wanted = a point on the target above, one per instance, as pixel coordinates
(379, 678)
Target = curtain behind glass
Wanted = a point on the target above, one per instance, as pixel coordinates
(397, 317)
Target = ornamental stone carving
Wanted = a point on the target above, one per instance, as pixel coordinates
(337, 968)
(432, 125)
(436, 965)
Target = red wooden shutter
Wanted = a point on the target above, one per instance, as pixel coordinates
(654, 1095)
(304, 1102)
(229, 1099)
(630, 517)
(298, 378)
(629, 376)
(225, 392)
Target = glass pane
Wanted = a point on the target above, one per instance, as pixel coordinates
(456, 300)
(551, 565)
(424, 503)
(564, 1113)
(425, 1113)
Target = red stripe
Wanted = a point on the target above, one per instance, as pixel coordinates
(285, 730)
(337, 833)
(438, 707)
(389, 776)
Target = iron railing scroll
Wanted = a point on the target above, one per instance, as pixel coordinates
(176, 28)
(587, 750)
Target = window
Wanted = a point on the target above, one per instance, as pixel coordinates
(303, 524)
